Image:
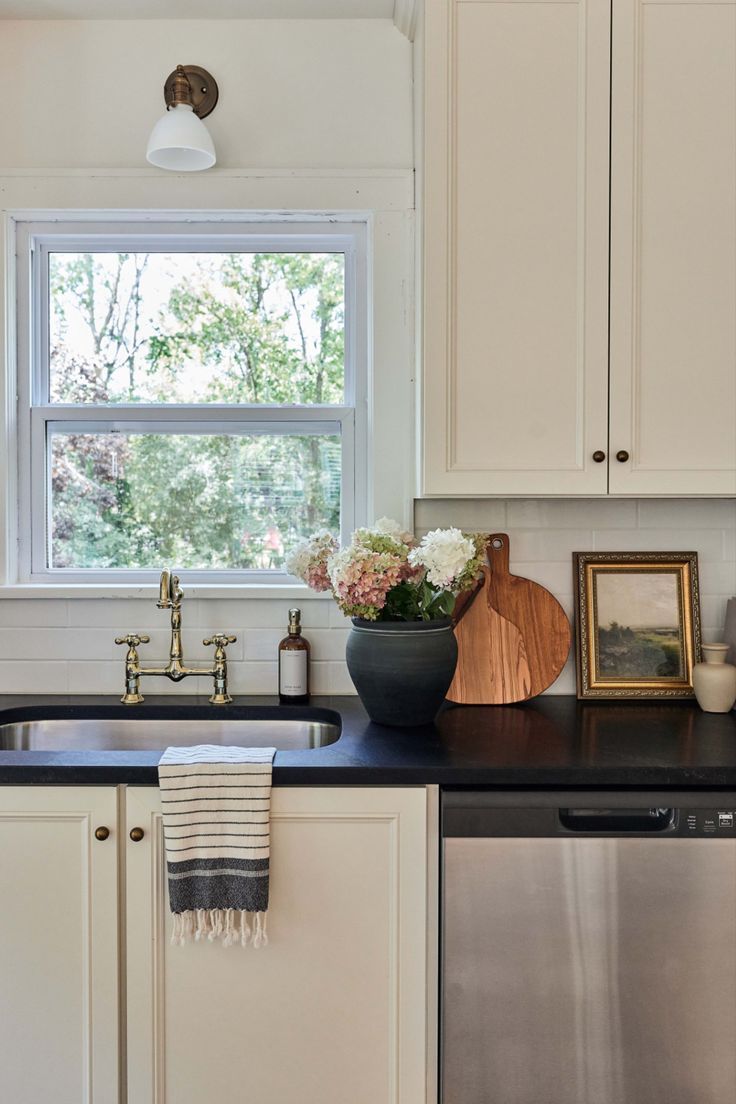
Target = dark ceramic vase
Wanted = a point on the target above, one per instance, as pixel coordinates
(401, 669)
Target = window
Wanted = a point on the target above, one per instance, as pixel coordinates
(187, 395)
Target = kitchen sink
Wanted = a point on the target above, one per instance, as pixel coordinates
(268, 729)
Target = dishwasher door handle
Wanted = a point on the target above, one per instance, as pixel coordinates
(617, 820)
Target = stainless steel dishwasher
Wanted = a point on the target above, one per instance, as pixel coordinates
(588, 948)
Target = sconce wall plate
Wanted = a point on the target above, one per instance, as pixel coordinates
(204, 91)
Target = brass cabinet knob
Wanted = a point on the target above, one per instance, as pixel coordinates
(137, 834)
(622, 456)
(102, 833)
(599, 456)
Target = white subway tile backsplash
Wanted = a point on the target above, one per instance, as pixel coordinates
(713, 609)
(328, 644)
(556, 577)
(255, 678)
(548, 545)
(708, 543)
(319, 678)
(261, 645)
(67, 645)
(586, 513)
(338, 620)
(241, 615)
(124, 615)
(55, 643)
(92, 677)
(690, 513)
(718, 578)
(29, 613)
(729, 544)
(482, 515)
(41, 677)
(339, 679)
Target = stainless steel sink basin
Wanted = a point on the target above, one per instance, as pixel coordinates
(145, 734)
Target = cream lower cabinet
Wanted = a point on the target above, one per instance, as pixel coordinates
(58, 946)
(333, 1011)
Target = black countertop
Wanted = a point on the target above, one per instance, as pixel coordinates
(554, 742)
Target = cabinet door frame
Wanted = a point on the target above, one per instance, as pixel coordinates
(148, 926)
(441, 475)
(88, 807)
(634, 476)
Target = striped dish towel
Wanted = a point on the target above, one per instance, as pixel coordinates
(216, 807)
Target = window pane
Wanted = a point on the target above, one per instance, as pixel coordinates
(134, 500)
(196, 327)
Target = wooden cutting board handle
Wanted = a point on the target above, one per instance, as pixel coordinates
(513, 636)
(497, 551)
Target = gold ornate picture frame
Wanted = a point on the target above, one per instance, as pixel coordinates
(637, 624)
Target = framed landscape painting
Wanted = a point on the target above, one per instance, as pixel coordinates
(637, 624)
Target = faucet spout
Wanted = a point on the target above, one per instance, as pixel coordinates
(164, 592)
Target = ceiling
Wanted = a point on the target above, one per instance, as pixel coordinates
(194, 9)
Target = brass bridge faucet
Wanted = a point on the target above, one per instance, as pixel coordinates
(170, 597)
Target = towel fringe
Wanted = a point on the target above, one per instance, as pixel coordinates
(228, 925)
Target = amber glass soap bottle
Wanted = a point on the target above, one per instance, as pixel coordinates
(294, 663)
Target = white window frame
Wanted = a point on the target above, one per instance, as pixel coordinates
(35, 414)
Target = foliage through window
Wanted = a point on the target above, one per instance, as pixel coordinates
(191, 398)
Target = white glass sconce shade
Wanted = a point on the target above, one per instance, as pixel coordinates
(180, 142)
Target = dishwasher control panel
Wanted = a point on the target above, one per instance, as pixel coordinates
(708, 822)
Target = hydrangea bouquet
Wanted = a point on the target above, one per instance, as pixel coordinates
(385, 574)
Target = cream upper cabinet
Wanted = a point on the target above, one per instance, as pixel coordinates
(58, 945)
(334, 1009)
(673, 247)
(516, 180)
(517, 199)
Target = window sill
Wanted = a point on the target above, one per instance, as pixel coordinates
(287, 592)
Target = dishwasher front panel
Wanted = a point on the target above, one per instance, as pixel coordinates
(589, 971)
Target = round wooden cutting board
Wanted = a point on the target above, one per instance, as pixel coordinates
(513, 636)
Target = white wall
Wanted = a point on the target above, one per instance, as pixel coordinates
(543, 534)
(293, 93)
(313, 116)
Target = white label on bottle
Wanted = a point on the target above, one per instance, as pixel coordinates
(293, 674)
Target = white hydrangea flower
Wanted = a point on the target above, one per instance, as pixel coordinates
(298, 559)
(390, 527)
(445, 553)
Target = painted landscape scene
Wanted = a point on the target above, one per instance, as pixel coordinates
(639, 630)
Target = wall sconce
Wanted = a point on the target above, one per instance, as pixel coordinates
(180, 141)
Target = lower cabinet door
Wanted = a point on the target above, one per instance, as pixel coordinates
(58, 945)
(333, 1011)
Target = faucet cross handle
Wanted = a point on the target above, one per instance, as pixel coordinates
(133, 639)
(220, 640)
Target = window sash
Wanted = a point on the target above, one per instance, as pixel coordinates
(339, 422)
(205, 234)
(158, 238)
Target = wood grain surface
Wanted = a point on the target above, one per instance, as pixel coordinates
(513, 636)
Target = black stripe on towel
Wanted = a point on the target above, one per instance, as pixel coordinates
(223, 797)
(213, 864)
(212, 774)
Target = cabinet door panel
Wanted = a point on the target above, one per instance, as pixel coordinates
(333, 1010)
(673, 247)
(516, 246)
(58, 946)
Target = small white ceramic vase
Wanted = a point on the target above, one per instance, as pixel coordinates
(714, 681)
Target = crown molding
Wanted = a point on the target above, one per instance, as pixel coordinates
(405, 17)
